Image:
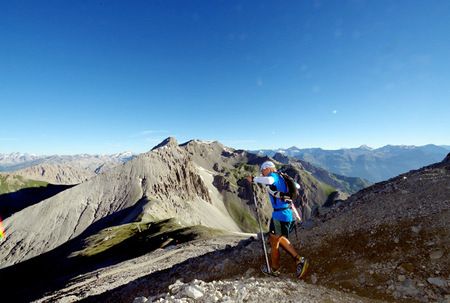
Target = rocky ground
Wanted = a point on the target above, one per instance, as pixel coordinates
(260, 289)
(104, 279)
(228, 267)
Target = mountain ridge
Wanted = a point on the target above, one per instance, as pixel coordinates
(372, 164)
(16, 161)
(347, 185)
(93, 200)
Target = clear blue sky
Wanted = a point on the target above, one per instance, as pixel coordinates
(108, 76)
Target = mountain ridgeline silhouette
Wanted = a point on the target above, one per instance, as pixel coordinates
(60, 169)
(374, 165)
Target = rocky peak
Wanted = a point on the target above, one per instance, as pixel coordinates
(195, 143)
(169, 142)
(366, 147)
(57, 173)
(280, 157)
(447, 159)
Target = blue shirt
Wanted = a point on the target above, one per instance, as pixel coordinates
(280, 215)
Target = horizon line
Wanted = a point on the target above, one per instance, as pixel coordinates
(210, 141)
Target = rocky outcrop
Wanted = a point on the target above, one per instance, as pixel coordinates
(169, 142)
(283, 158)
(209, 154)
(57, 173)
(249, 290)
(334, 198)
(221, 183)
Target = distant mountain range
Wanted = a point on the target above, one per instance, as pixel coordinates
(16, 161)
(364, 162)
(56, 169)
(372, 164)
(347, 185)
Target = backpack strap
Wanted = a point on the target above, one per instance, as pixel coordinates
(281, 209)
(279, 194)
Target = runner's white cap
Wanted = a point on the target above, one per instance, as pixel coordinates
(267, 164)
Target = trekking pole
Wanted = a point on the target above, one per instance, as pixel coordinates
(269, 270)
(298, 218)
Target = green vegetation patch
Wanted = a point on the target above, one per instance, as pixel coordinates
(235, 207)
(240, 214)
(137, 238)
(241, 171)
(327, 189)
(13, 183)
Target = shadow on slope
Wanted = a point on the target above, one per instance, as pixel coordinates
(13, 202)
(88, 252)
(217, 265)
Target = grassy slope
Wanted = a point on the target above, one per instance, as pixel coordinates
(316, 191)
(141, 237)
(240, 214)
(12, 183)
(351, 185)
(236, 207)
(327, 189)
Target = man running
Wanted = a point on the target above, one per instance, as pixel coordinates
(282, 222)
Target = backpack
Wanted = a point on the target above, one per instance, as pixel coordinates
(292, 193)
